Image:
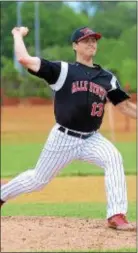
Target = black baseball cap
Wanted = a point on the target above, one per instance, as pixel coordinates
(84, 32)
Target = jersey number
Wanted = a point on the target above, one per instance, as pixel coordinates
(97, 109)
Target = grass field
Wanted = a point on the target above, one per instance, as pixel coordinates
(24, 156)
(82, 210)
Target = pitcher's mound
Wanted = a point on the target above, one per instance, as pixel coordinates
(20, 234)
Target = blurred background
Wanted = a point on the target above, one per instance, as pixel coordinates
(51, 25)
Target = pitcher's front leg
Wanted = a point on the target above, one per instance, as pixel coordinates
(115, 182)
(97, 149)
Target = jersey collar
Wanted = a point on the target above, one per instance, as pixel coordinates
(94, 65)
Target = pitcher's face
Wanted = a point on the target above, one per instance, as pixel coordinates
(86, 47)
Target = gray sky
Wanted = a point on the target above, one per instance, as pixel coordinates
(74, 5)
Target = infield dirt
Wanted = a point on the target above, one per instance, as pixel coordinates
(20, 234)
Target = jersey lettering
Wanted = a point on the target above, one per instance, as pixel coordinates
(79, 86)
(92, 87)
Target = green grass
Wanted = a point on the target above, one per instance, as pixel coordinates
(81, 210)
(16, 158)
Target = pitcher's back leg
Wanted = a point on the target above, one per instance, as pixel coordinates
(47, 167)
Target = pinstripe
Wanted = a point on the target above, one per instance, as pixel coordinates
(100, 151)
(16, 186)
(67, 160)
(61, 159)
(124, 195)
(115, 172)
(53, 165)
(61, 149)
(48, 165)
(115, 169)
(54, 161)
(101, 164)
(49, 161)
(41, 163)
(111, 160)
(119, 171)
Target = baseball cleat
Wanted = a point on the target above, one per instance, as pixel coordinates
(120, 222)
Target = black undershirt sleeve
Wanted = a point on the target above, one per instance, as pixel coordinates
(117, 95)
(48, 71)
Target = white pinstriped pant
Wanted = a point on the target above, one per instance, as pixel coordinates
(61, 149)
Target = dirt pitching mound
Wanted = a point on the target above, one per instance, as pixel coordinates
(20, 234)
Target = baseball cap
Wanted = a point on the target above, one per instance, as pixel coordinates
(84, 32)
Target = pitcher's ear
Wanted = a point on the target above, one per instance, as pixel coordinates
(74, 44)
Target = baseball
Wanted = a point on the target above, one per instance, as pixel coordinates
(24, 30)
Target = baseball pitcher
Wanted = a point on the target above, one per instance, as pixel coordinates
(81, 90)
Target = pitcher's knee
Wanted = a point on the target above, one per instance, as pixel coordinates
(118, 156)
(113, 158)
(33, 181)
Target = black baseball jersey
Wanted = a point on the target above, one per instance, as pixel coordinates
(81, 93)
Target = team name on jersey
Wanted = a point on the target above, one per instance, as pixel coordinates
(91, 86)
